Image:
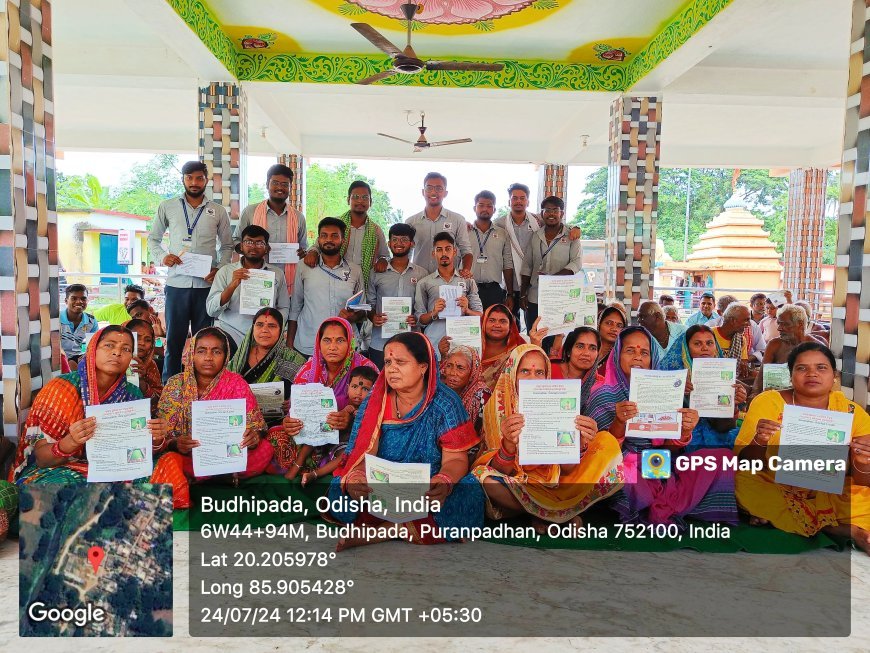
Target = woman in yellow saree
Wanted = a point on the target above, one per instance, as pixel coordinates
(549, 493)
(793, 509)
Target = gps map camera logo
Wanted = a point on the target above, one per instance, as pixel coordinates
(655, 463)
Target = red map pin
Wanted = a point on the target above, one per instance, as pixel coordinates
(95, 557)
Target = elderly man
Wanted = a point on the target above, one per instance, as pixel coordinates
(651, 316)
(672, 314)
(706, 313)
(792, 323)
(757, 340)
(731, 336)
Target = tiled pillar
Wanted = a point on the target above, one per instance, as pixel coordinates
(297, 188)
(552, 180)
(223, 142)
(805, 233)
(850, 329)
(28, 223)
(632, 199)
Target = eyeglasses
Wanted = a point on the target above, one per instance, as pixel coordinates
(360, 197)
(279, 184)
(253, 243)
(549, 211)
(400, 240)
(435, 189)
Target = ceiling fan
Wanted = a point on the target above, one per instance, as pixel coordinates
(406, 61)
(421, 143)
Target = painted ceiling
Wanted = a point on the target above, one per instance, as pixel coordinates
(580, 45)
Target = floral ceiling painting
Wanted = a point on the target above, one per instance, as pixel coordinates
(450, 12)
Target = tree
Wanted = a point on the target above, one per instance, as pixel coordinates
(326, 194)
(591, 214)
(147, 184)
(256, 193)
(81, 192)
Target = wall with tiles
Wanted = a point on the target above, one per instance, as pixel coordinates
(552, 180)
(28, 223)
(632, 199)
(297, 187)
(805, 233)
(850, 330)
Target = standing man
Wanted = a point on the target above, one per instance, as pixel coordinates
(492, 254)
(706, 313)
(195, 224)
(398, 280)
(428, 302)
(322, 291)
(225, 296)
(75, 323)
(551, 252)
(284, 223)
(520, 226)
(435, 219)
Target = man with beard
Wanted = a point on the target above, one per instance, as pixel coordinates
(224, 299)
(284, 223)
(791, 320)
(322, 291)
(428, 302)
(398, 280)
(435, 219)
(492, 254)
(195, 224)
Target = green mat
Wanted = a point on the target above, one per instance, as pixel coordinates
(743, 537)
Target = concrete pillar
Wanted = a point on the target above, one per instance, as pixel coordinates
(223, 143)
(805, 233)
(297, 188)
(552, 180)
(28, 223)
(632, 199)
(850, 330)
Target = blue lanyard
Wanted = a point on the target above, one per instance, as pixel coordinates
(330, 272)
(488, 234)
(552, 245)
(187, 218)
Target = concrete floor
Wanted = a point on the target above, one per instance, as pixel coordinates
(605, 565)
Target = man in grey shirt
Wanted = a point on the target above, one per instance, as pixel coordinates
(224, 300)
(195, 224)
(400, 279)
(492, 254)
(433, 220)
(322, 291)
(428, 302)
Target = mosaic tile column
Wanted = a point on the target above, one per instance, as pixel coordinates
(297, 187)
(632, 199)
(850, 328)
(223, 142)
(552, 180)
(805, 233)
(28, 223)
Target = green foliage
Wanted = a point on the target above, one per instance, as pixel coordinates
(81, 192)
(326, 195)
(256, 193)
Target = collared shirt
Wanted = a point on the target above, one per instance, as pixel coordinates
(276, 225)
(674, 331)
(355, 239)
(496, 250)
(564, 254)
(700, 318)
(227, 315)
(523, 232)
(318, 293)
(391, 283)
(428, 294)
(213, 225)
(72, 337)
(112, 313)
(451, 222)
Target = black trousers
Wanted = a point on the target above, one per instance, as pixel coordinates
(490, 293)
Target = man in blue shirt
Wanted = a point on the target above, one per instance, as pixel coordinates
(708, 300)
(75, 323)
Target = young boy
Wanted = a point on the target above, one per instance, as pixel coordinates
(362, 379)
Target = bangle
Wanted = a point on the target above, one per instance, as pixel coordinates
(858, 469)
(158, 447)
(503, 456)
(57, 452)
(446, 479)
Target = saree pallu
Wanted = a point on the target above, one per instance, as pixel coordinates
(793, 509)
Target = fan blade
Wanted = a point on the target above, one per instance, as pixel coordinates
(377, 78)
(376, 39)
(463, 65)
(454, 142)
(401, 140)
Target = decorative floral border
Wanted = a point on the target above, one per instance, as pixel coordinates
(347, 69)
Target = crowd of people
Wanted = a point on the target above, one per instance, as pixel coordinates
(417, 397)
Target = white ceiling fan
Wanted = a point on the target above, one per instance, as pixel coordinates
(421, 143)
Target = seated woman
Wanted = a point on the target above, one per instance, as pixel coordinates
(702, 494)
(334, 357)
(500, 337)
(205, 378)
(579, 358)
(611, 321)
(264, 357)
(410, 417)
(150, 383)
(700, 342)
(460, 371)
(53, 447)
(794, 509)
(549, 493)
